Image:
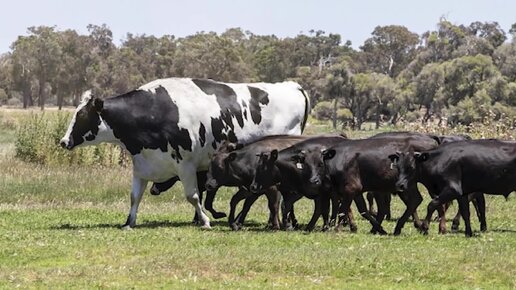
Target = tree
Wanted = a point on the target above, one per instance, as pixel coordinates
(337, 86)
(390, 49)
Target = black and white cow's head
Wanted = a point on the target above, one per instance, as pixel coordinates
(86, 123)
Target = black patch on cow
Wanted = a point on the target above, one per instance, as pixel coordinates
(202, 134)
(232, 137)
(86, 120)
(145, 120)
(226, 98)
(214, 144)
(258, 97)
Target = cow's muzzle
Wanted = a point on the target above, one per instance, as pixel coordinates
(66, 144)
(315, 180)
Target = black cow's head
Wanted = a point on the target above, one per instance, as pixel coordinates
(265, 171)
(406, 164)
(220, 169)
(84, 127)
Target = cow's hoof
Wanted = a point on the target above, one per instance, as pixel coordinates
(373, 231)
(325, 228)
(353, 228)
(454, 228)
(126, 228)
(483, 228)
(397, 232)
(234, 226)
(442, 231)
(219, 215)
(382, 232)
(206, 227)
(155, 191)
(289, 228)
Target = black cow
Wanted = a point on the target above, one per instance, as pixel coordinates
(356, 166)
(384, 200)
(297, 176)
(237, 168)
(455, 170)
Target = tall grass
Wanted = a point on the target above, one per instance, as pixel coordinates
(38, 136)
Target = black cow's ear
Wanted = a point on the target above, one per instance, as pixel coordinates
(421, 156)
(274, 155)
(394, 157)
(98, 104)
(328, 154)
(232, 156)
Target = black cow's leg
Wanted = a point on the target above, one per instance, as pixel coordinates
(479, 202)
(240, 219)
(208, 204)
(316, 214)
(325, 211)
(237, 197)
(371, 196)
(456, 222)
(382, 206)
(136, 196)
(335, 207)
(412, 199)
(446, 195)
(464, 211)
(388, 199)
(273, 200)
(289, 199)
(362, 208)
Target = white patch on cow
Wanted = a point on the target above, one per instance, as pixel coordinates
(86, 97)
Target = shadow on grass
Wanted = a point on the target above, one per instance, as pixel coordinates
(249, 226)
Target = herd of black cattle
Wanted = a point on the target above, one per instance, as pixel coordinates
(333, 171)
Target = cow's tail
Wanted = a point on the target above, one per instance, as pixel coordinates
(307, 109)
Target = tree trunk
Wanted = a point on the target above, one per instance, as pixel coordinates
(60, 101)
(41, 93)
(334, 115)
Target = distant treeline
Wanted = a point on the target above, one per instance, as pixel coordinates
(458, 73)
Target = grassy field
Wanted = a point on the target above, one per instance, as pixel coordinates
(59, 228)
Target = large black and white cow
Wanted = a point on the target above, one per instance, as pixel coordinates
(171, 127)
(455, 170)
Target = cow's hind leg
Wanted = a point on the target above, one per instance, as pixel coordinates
(479, 202)
(136, 196)
(464, 211)
(362, 208)
(446, 195)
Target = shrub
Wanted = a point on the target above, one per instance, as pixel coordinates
(38, 136)
(323, 110)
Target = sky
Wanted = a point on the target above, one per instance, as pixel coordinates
(353, 20)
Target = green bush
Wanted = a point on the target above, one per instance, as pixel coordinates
(38, 136)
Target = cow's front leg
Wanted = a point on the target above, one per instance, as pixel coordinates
(189, 179)
(412, 199)
(136, 196)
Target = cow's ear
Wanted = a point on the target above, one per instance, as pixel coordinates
(232, 156)
(274, 155)
(328, 154)
(98, 104)
(421, 156)
(394, 157)
(239, 146)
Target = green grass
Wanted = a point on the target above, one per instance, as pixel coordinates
(59, 228)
